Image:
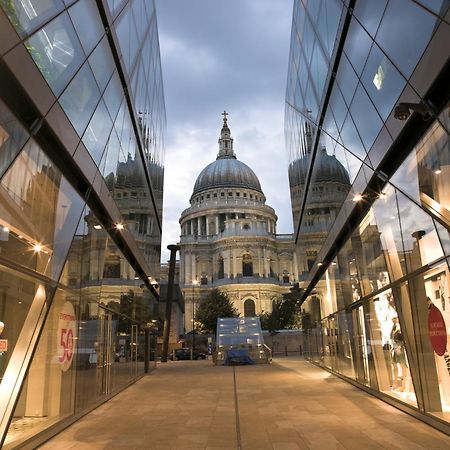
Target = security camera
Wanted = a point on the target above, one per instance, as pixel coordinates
(403, 110)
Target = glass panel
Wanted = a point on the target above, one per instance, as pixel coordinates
(96, 136)
(425, 173)
(373, 253)
(319, 68)
(12, 137)
(80, 99)
(386, 216)
(351, 140)
(357, 46)
(87, 23)
(344, 344)
(347, 79)
(438, 6)
(328, 22)
(431, 315)
(39, 213)
(405, 40)
(367, 121)
(57, 52)
(338, 106)
(123, 30)
(418, 232)
(369, 13)
(113, 95)
(18, 292)
(382, 81)
(101, 63)
(28, 15)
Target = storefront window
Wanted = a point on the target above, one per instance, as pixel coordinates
(432, 326)
(389, 348)
(49, 389)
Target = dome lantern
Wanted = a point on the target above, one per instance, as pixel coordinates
(226, 171)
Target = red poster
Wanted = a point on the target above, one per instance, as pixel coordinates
(3, 345)
(437, 330)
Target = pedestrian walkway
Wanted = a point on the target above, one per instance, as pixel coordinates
(289, 405)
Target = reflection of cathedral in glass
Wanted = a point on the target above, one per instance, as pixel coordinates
(130, 191)
(328, 188)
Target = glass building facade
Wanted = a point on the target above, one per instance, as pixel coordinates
(82, 121)
(367, 130)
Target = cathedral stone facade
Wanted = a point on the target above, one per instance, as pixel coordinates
(229, 239)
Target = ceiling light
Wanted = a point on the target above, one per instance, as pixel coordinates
(382, 196)
(320, 264)
(6, 229)
(119, 226)
(98, 227)
(438, 171)
(37, 248)
(357, 197)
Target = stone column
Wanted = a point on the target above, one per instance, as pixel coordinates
(187, 268)
(194, 268)
(260, 266)
(295, 266)
(199, 226)
(235, 271)
(217, 224)
(227, 263)
(191, 223)
(207, 225)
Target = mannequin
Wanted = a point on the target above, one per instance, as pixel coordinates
(398, 357)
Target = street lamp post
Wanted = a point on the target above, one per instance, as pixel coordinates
(194, 283)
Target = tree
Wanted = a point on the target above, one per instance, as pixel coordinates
(285, 314)
(215, 305)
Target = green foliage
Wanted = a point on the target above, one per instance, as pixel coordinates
(285, 314)
(215, 305)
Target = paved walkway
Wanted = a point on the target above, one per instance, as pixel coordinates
(289, 405)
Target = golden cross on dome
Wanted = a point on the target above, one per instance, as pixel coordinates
(224, 114)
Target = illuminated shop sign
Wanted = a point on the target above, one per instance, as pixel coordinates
(66, 335)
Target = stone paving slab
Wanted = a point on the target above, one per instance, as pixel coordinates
(289, 405)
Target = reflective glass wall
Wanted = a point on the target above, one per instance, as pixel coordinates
(81, 176)
(368, 189)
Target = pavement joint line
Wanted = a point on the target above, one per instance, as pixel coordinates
(236, 407)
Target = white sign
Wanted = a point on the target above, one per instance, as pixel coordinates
(67, 329)
(3, 345)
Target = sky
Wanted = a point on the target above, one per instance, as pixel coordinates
(224, 55)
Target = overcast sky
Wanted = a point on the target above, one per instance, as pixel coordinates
(224, 55)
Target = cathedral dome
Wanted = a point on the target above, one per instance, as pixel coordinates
(327, 169)
(226, 171)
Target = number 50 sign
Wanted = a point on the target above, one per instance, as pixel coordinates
(66, 335)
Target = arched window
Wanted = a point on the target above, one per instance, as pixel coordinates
(220, 271)
(249, 308)
(247, 265)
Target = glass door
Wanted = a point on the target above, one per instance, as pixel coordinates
(104, 353)
(362, 362)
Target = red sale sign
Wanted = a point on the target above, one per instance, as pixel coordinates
(66, 335)
(437, 330)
